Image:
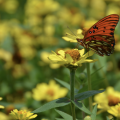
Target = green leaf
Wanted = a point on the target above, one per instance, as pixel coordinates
(63, 83)
(93, 115)
(87, 94)
(53, 104)
(81, 106)
(117, 86)
(59, 119)
(64, 115)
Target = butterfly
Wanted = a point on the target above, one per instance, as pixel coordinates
(100, 37)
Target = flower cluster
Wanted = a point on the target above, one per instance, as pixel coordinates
(107, 99)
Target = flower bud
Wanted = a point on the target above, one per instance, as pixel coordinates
(87, 118)
(82, 77)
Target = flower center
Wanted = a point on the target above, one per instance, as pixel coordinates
(74, 54)
(113, 100)
(50, 92)
(20, 112)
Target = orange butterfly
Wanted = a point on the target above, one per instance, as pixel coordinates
(100, 37)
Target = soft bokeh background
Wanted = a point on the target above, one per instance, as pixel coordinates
(29, 30)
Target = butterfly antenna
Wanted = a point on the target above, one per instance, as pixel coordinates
(72, 31)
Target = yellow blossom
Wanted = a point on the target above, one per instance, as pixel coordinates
(107, 99)
(49, 91)
(10, 6)
(27, 52)
(117, 47)
(73, 38)
(1, 106)
(115, 110)
(22, 114)
(5, 55)
(3, 116)
(71, 58)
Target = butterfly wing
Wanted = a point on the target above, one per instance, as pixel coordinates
(100, 46)
(105, 26)
(100, 37)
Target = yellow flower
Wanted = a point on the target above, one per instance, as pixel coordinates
(71, 58)
(27, 52)
(73, 38)
(10, 6)
(117, 47)
(115, 110)
(5, 55)
(107, 99)
(1, 106)
(49, 91)
(22, 114)
(3, 116)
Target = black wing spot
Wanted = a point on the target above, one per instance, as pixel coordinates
(111, 29)
(94, 26)
(93, 31)
(113, 25)
(104, 27)
(90, 32)
(111, 33)
(103, 31)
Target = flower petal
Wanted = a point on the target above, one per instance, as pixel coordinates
(79, 31)
(69, 58)
(1, 107)
(69, 39)
(87, 60)
(61, 52)
(89, 53)
(54, 58)
(81, 52)
(33, 116)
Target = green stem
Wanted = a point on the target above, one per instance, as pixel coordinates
(89, 85)
(72, 81)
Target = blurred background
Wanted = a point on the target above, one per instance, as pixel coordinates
(29, 31)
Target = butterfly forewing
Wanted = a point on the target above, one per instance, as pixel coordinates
(104, 26)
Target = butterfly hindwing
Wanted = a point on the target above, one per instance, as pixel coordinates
(102, 45)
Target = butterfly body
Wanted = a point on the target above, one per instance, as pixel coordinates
(100, 37)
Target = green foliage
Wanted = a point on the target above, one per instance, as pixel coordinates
(53, 104)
